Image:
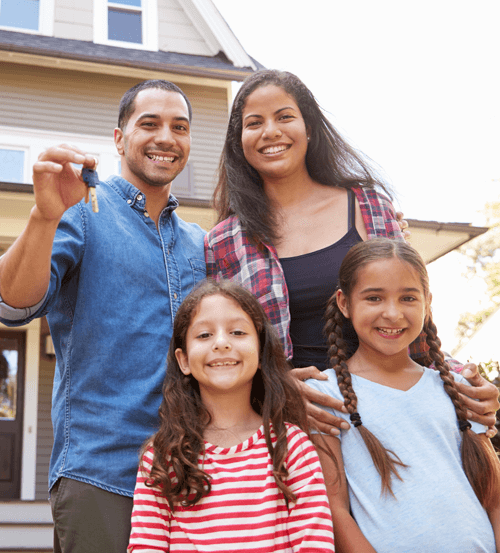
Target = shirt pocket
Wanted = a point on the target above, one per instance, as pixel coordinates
(198, 269)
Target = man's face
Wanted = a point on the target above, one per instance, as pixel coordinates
(155, 144)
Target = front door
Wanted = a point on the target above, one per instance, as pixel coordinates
(11, 412)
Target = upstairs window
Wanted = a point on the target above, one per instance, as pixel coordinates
(29, 16)
(126, 23)
(125, 20)
(21, 14)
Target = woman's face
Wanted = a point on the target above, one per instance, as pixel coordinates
(274, 135)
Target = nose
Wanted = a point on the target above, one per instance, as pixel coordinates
(271, 130)
(165, 136)
(392, 311)
(221, 342)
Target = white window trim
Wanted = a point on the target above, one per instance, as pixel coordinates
(34, 142)
(149, 26)
(46, 20)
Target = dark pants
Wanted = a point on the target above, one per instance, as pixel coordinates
(88, 519)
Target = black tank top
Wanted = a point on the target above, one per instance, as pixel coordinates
(311, 279)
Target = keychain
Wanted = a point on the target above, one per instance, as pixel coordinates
(92, 180)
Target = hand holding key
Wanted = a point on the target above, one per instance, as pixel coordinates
(57, 184)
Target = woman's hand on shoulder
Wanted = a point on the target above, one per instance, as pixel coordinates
(481, 398)
(319, 418)
(403, 225)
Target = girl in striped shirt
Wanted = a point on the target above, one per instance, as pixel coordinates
(230, 468)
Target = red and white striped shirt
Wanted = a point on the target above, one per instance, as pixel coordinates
(245, 511)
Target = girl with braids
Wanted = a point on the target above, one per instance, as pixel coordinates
(414, 472)
(231, 468)
(292, 198)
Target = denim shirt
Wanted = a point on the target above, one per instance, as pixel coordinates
(116, 284)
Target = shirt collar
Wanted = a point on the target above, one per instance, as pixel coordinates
(135, 198)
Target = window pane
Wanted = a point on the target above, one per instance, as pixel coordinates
(11, 165)
(125, 26)
(127, 2)
(8, 380)
(19, 13)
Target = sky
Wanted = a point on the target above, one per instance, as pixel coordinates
(415, 86)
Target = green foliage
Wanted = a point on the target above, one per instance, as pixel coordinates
(483, 255)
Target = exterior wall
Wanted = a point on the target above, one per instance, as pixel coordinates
(177, 32)
(44, 433)
(73, 19)
(60, 101)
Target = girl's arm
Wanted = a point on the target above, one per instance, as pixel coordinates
(309, 522)
(150, 514)
(348, 536)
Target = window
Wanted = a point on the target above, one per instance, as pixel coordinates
(126, 23)
(12, 165)
(29, 16)
(24, 14)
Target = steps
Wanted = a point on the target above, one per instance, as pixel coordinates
(26, 527)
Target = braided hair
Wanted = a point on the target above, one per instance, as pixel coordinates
(480, 463)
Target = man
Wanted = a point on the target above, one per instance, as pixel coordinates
(110, 284)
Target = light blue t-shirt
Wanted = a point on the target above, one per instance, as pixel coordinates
(435, 509)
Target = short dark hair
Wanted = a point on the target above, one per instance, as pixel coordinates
(330, 160)
(127, 103)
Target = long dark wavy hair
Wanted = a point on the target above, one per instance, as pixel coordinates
(183, 418)
(480, 463)
(329, 159)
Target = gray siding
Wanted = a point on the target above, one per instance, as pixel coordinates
(176, 31)
(75, 102)
(44, 432)
(74, 19)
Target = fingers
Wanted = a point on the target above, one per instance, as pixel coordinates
(488, 419)
(308, 372)
(324, 421)
(481, 389)
(491, 432)
(55, 158)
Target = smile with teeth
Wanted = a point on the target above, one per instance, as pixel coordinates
(223, 364)
(153, 157)
(391, 331)
(275, 149)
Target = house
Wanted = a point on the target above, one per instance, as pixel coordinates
(64, 65)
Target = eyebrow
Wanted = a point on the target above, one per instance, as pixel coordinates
(275, 113)
(156, 116)
(236, 320)
(366, 290)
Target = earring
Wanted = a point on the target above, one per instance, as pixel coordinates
(308, 138)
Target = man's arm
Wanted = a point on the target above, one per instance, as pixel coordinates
(25, 267)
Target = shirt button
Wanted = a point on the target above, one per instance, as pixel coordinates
(146, 214)
(139, 197)
(175, 295)
(129, 202)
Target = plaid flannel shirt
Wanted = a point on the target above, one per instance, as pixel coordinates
(231, 255)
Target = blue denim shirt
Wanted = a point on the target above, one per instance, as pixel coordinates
(116, 284)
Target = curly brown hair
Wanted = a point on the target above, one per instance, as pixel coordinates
(183, 418)
(480, 463)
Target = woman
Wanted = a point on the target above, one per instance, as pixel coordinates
(292, 198)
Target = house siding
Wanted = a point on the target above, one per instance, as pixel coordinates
(74, 19)
(177, 32)
(44, 430)
(85, 103)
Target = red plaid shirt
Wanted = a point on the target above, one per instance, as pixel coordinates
(231, 255)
